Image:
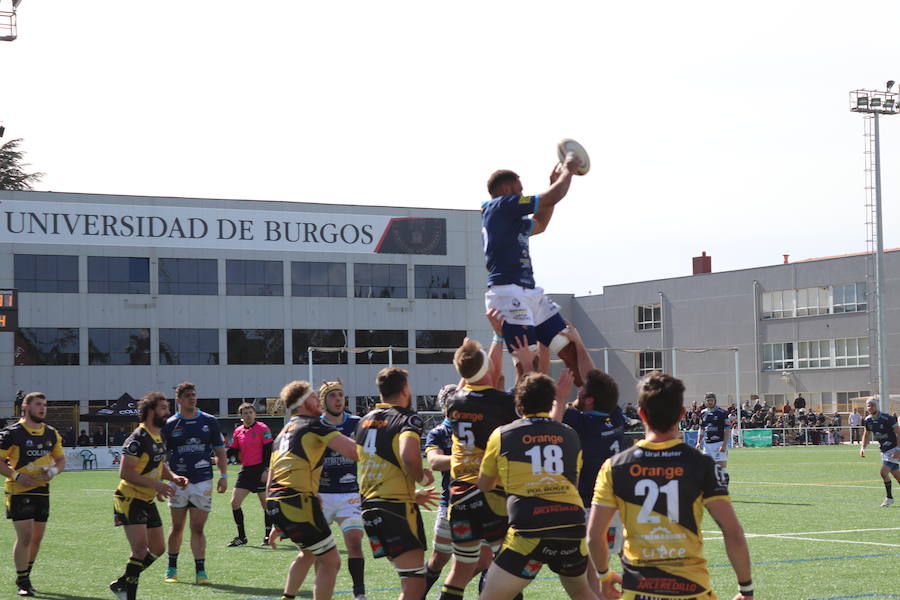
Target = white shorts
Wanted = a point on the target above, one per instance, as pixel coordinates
(892, 455)
(346, 507)
(712, 449)
(442, 524)
(198, 495)
(521, 306)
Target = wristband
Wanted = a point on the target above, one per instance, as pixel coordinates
(15, 476)
(498, 339)
(604, 575)
(746, 588)
(223, 475)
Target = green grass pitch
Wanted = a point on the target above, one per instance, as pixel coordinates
(812, 516)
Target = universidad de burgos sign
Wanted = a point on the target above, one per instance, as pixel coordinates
(192, 227)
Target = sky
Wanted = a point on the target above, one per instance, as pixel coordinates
(712, 126)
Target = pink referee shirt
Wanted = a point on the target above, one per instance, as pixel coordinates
(250, 442)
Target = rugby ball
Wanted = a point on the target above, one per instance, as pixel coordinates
(567, 145)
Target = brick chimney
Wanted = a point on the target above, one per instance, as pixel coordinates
(702, 264)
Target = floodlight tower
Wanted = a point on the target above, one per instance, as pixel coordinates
(873, 103)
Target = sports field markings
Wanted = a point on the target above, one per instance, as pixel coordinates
(875, 595)
(795, 536)
(823, 484)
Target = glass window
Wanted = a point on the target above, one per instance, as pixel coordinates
(255, 346)
(814, 355)
(319, 279)
(208, 405)
(188, 346)
(254, 278)
(851, 352)
(46, 346)
(189, 276)
(118, 346)
(779, 304)
(649, 316)
(812, 301)
(649, 361)
(46, 273)
(777, 357)
(364, 404)
(427, 338)
(379, 281)
(118, 275)
(440, 282)
(851, 297)
(329, 338)
(381, 338)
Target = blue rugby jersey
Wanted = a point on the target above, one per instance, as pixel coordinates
(602, 435)
(441, 438)
(339, 472)
(714, 423)
(190, 443)
(882, 429)
(505, 228)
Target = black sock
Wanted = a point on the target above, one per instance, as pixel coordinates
(288, 596)
(199, 564)
(431, 578)
(887, 489)
(132, 575)
(149, 560)
(449, 592)
(22, 578)
(238, 515)
(356, 567)
(30, 566)
(173, 561)
(268, 520)
(481, 579)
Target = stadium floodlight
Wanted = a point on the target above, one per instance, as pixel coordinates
(873, 103)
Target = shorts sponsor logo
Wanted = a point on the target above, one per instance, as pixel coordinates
(462, 530)
(531, 568)
(556, 508)
(668, 585)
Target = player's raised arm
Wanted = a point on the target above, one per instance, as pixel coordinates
(561, 179)
(735, 545)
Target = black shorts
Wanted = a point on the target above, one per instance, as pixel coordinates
(394, 528)
(472, 517)
(524, 557)
(301, 519)
(248, 478)
(22, 507)
(128, 510)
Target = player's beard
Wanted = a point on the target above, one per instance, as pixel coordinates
(159, 421)
(332, 413)
(34, 417)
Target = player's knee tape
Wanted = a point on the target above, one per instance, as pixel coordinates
(558, 342)
(466, 554)
(418, 572)
(512, 332)
(321, 547)
(443, 547)
(548, 331)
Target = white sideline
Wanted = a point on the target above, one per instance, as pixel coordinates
(793, 536)
(865, 487)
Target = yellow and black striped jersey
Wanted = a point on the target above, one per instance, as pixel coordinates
(474, 413)
(538, 460)
(297, 453)
(382, 474)
(29, 451)
(150, 450)
(660, 489)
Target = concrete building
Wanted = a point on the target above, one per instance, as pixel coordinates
(802, 328)
(128, 294)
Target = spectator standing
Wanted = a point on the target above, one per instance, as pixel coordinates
(68, 437)
(83, 439)
(855, 421)
(799, 402)
(99, 438)
(119, 437)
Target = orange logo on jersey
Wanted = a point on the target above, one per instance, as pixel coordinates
(374, 423)
(636, 470)
(542, 439)
(466, 416)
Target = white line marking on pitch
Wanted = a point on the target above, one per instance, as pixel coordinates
(789, 535)
(808, 539)
(865, 487)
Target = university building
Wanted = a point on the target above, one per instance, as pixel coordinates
(800, 328)
(126, 294)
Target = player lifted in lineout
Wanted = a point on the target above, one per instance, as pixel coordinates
(885, 430)
(508, 220)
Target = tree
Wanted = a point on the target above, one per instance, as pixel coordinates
(12, 169)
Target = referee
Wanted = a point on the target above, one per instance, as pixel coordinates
(254, 441)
